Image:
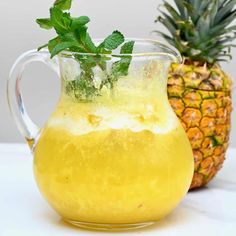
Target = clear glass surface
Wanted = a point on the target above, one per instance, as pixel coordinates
(117, 160)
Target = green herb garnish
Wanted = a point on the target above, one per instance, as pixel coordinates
(73, 36)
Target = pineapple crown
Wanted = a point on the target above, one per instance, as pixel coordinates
(201, 30)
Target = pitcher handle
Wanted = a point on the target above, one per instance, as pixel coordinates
(24, 123)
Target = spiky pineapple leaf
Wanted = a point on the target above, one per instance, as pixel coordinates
(200, 30)
(224, 11)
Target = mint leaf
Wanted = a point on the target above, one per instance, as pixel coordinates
(60, 21)
(81, 89)
(78, 22)
(113, 41)
(81, 33)
(45, 23)
(89, 44)
(68, 37)
(127, 48)
(121, 68)
(53, 43)
(67, 20)
(62, 46)
(85, 40)
(63, 4)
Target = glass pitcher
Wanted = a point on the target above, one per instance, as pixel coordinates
(112, 155)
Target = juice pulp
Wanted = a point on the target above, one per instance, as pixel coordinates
(116, 163)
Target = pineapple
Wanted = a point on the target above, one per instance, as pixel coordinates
(198, 89)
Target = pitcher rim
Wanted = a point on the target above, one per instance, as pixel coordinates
(165, 50)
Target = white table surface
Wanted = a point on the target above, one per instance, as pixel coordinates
(210, 211)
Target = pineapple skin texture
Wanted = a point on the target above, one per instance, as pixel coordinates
(201, 98)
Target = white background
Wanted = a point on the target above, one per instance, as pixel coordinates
(19, 33)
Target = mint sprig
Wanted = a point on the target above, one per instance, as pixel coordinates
(72, 35)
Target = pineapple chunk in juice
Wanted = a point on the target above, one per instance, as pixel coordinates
(114, 163)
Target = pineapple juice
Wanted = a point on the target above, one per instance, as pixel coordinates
(121, 159)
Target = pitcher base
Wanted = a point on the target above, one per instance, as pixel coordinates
(109, 227)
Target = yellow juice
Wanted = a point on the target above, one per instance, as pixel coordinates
(117, 162)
